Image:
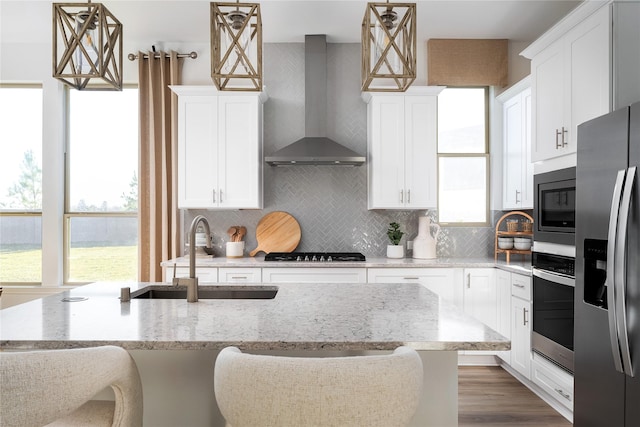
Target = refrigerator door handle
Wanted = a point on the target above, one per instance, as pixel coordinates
(611, 261)
(621, 272)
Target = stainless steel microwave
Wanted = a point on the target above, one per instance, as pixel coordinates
(554, 207)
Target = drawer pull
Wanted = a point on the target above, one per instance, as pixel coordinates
(239, 277)
(517, 285)
(562, 393)
(524, 317)
(411, 278)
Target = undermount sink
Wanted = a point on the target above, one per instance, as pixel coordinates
(209, 292)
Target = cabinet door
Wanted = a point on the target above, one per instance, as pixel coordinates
(587, 52)
(527, 164)
(513, 152)
(480, 295)
(197, 151)
(547, 70)
(385, 137)
(420, 152)
(521, 336)
(503, 284)
(441, 281)
(240, 152)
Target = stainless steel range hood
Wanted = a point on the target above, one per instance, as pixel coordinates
(315, 148)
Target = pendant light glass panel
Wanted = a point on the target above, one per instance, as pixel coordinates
(388, 47)
(87, 46)
(236, 46)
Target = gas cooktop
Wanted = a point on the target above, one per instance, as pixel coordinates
(315, 256)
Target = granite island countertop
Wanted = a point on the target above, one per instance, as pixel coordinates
(515, 266)
(302, 316)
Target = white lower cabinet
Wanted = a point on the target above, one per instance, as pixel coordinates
(481, 296)
(503, 284)
(204, 274)
(554, 380)
(314, 275)
(443, 281)
(239, 275)
(521, 324)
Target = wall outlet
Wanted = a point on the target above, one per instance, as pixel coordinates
(409, 245)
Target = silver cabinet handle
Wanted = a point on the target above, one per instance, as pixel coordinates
(558, 144)
(621, 269)
(401, 196)
(408, 196)
(525, 320)
(411, 278)
(239, 277)
(220, 196)
(564, 132)
(562, 393)
(214, 195)
(612, 271)
(517, 193)
(468, 280)
(518, 285)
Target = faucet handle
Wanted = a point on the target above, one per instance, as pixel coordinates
(175, 281)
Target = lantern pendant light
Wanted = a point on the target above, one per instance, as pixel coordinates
(388, 46)
(87, 46)
(236, 46)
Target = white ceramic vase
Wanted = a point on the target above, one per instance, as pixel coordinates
(395, 251)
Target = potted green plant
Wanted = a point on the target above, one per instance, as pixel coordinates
(395, 249)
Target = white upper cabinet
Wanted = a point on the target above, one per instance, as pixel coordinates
(517, 189)
(402, 151)
(570, 81)
(219, 148)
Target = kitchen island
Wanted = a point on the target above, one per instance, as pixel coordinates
(175, 343)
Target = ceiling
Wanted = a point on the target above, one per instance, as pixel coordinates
(155, 22)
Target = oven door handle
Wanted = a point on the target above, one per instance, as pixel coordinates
(621, 272)
(611, 270)
(552, 277)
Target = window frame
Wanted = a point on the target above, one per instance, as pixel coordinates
(68, 213)
(486, 155)
(25, 212)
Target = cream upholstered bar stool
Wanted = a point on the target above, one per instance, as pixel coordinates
(56, 387)
(257, 390)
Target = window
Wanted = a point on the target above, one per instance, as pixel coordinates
(21, 184)
(463, 158)
(101, 220)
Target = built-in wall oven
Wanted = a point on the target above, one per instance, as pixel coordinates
(553, 293)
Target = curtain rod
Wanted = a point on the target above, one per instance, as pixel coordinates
(192, 55)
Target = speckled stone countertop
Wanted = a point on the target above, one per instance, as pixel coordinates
(300, 317)
(521, 267)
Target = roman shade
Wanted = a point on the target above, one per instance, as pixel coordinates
(467, 62)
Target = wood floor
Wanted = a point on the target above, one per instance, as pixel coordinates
(490, 396)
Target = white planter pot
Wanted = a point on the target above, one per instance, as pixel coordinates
(395, 251)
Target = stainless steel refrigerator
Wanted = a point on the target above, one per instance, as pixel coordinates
(607, 296)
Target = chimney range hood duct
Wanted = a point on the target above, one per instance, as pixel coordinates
(315, 148)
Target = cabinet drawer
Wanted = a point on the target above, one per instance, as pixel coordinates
(314, 275)
(239, 275)
(521, 286)
(204, 274)
(555, 381)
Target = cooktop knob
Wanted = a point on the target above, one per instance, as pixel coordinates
(298, 258)
(306, 257)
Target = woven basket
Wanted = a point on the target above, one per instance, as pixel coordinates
(512, 226)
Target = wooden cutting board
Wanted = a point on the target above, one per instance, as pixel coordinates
(277, 232)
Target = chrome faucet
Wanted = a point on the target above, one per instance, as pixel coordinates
(192, 281)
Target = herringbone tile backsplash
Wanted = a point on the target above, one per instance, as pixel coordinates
(329, 202)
